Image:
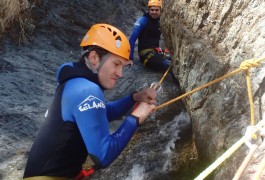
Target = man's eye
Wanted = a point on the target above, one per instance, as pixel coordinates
(127, 67)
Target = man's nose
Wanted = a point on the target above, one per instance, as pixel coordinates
(119, 72)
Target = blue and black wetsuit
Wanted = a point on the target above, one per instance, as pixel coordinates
(77, 125)
(147, 31)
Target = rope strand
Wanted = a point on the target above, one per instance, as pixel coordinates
(199, 88)
(252, 117)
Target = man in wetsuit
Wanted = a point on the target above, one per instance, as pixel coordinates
(147, 31)
(77, 122)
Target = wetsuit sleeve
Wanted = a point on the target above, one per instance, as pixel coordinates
(86, 104)
(137, 28)
(117, 109)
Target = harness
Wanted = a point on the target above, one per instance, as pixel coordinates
(151, 52)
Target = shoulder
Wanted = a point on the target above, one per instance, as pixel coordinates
(81, 80)
(81, 95)
(82, 87)
(141, 20)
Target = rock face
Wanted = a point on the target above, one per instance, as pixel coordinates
(210, 39)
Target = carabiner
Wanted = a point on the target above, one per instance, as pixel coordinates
(158, 87)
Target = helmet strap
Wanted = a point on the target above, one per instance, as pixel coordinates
(89, 65)
(102, 61)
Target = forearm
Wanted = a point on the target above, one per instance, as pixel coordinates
(116, 109)
(112, 145)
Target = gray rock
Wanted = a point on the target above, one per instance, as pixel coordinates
(210, 39)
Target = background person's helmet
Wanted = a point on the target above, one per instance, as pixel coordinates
(107, 37)
(155, 3)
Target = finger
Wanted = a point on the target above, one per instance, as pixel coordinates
(152, 102)
(154, 109)
(152, 96)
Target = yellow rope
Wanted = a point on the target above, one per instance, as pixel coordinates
(244, 66)
(251, 63)
(162, 79)
(250, 98)
(199, 88)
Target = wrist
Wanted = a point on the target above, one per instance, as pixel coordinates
(136, 119)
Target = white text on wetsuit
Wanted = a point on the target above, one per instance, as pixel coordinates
(91, 102)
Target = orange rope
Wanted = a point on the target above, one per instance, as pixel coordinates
(199, 88)
(162, 79)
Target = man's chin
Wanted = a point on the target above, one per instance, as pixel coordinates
(108, 87)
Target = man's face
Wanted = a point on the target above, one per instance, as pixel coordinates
(154, 12)
(111, 70)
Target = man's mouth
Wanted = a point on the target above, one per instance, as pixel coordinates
(115, 79)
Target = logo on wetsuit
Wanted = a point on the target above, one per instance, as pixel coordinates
(91, 102)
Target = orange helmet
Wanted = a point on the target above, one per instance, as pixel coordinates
(155, 3)
(107, 37)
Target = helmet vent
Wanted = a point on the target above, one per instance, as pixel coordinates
(118, 38)
(118, 42)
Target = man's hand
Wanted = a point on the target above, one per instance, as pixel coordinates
(147, 95)
(142, 111)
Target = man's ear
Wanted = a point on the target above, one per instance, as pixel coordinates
(93, 58)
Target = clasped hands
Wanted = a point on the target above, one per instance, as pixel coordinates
(146, 99)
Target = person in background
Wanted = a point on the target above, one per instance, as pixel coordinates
(147, 31)
(77, 122)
